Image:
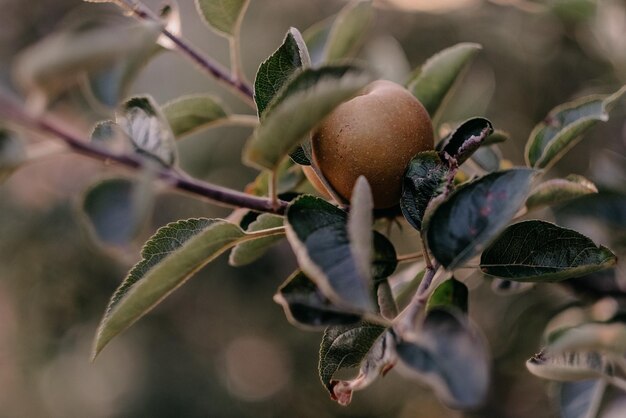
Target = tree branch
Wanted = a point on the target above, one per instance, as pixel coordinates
(15, 113)
(208, 65)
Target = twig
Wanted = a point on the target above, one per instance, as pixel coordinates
(15, 113)
(216, 70)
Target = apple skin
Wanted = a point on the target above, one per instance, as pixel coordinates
(375, 134)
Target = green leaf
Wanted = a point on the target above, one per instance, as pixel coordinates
(569, 366)
(564, 126)
(315, 38)
(249, 251)
(116, 210)
(385, 259)
(189, 114)
(360, 221)
(317, 231)
(465, 140)
(306, 307)
(424, 179)
(433, 82)
(12, 154)
(581, 399)
(543, 252)
(487, 158)
(449, 293)
(61, 60)
(496, 137)
(317, 92)
(169, 259)
(290, 177)
(473, 215)
(556, 191)
(347, 30)
(143, 122)
(223, 16)
(604, 337)
(275, 71)
(345, 347)
(451, 357)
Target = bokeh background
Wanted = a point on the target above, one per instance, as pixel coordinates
(219, 346)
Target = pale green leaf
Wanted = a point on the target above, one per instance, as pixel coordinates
(192, 113)
(169, 259)
(299, 106)
(564, 126)
(347, 30)
(557, 191)
(143, 122)
(434, 81)
(249, 251)
(223, 16)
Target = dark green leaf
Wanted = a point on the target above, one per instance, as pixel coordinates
(12, 154)
(449, 293)
(557, 191)
(285, 125)
(461, 226)
(299, 156)
(385, 259)
(272, 74)
(425, 178)
(305, 305)
(569, 366)
(466, 139)
(223, 16)
(169, 259)
(115, 212)
(347, 30)
(143, 122)
(544, 252)
(249, 251)
(345, 347)
(564, 127)
(581, 399)
(451, 357)
(188, 114)
(317, 231)
(432, 83)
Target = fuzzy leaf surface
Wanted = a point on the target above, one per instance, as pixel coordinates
(543, 252)
(434, 81)
(285, 124)
(144, 123)
(564, 127)
(473, 215)
(249, 251)
(169, 259)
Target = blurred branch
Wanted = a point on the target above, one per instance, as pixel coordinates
(213, 68)
(15, 113)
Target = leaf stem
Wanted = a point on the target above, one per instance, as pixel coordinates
(279, 230)
(405, 322)
(15, 113)
(406, 258)
(207, 64)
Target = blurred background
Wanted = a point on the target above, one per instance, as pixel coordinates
(220, 346)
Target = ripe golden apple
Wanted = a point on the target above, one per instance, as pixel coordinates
(375, 134)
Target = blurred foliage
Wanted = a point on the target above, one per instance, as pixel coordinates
(194, 356)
